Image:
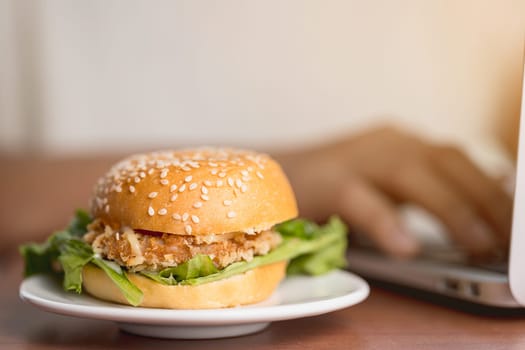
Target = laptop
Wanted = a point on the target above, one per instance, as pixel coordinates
(442, 270)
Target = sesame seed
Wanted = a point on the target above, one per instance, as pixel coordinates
(150, 171)
(164, 173)
(231, 214)
(173, 198)
(193, 186)
(118, 189)
(106, 208)
(208, 183)
(205, 197)
(214, 171)
(243, 188)
(186, 168)
(142, 174)
(219, 183)
(188, 178)
(182, 188)
(153, 195)
(176, 216)
(132, 188)
(117, 236)
(245, 178)
(238, 183)
(185, 216)
(197, 205)
(230, 182)
(222, 174)
(173, 188)
(227, 202)
(212, 164)
(195, 219)
(151, 211)
(195, 165)
(244, 172)
(162, 211)
(188, 229)
(204, 190)
(259, 175)
(137, 179)
(164, 182)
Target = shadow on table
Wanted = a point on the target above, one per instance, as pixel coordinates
(25, 326)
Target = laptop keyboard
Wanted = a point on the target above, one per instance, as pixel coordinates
(502, 266)
(455, 256)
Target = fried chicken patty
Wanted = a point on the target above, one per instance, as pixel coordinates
(155, 251)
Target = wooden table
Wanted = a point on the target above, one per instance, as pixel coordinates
(384, 321)
(46, 191)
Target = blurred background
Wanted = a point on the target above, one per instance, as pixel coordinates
(87, 78)
(98, 76)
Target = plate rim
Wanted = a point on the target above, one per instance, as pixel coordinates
(236, 315)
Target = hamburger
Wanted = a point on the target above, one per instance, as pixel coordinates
(188, 229)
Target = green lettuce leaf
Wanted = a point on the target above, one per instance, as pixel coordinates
(41, 257)
(323, 259)
(74, 255)
(78, 226)
(300, 228)
(325, 246)
(198, 266)
(130, 291)
(66, 248)
(309, 248)
(38, 258)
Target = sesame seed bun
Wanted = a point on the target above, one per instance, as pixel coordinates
(205, 193)
(247, 288)
(195, 192)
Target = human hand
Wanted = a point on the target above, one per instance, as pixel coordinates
(363, 178)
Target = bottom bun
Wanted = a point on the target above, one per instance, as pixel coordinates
(247, 288)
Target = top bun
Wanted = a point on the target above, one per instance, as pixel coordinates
(195, 192)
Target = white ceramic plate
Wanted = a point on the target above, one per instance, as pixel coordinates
(296, 297)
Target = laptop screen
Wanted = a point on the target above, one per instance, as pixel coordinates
(517, 246)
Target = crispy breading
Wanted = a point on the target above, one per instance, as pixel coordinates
(138, 251)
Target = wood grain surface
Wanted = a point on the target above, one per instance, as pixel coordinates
(36, 197)
(384, 321)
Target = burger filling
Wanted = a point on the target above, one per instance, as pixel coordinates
(154, 251)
